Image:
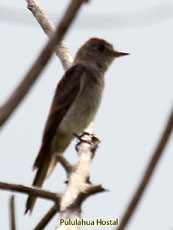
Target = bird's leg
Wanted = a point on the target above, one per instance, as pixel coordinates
(81, 139)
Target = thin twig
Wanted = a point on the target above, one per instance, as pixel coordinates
(12, 213)
(65, 163)
(148, 173)
(7, 109)
(61, 50)
(31, 191)
(45, 220)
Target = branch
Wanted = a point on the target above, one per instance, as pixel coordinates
(45, 220)
(12, 213)
(78, 188)
(8, 108)
(61, 50)
(148, 173)
(65, 164)
(91, 190)
(33, 191)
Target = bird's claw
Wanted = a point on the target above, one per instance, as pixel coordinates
(80, 138)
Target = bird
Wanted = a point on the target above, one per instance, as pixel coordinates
(75, 104)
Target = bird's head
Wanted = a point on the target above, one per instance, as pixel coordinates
(98, 51)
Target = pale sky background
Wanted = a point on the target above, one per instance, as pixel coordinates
(136, 103)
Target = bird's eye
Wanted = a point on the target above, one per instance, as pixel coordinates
(101, 48)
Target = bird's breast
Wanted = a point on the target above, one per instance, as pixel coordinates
(83, 109)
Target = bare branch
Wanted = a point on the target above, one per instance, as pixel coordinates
(7, 109)
(31, 191)
(66, 165)
(61, 50)
(12, 213)
(78, 187)
(45, 220)
(148, 173)
(91, 190)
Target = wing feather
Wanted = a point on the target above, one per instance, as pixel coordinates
(65, 94)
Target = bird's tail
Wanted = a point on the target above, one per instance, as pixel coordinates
(51, 166)
(38, 181)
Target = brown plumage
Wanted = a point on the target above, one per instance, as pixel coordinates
(77, 98)
(64, 97)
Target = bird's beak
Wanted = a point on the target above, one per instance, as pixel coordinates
(119, 54)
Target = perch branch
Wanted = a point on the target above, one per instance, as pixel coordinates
(7, 109)
(78, 188)
(31, 191)
(148, 173)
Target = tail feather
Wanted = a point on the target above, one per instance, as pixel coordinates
(38, 181)
(51, 167)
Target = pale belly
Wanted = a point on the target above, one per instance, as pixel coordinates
(82, 112)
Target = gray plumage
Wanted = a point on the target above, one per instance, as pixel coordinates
(76, 101)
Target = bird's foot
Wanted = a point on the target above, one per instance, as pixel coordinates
(81, 139)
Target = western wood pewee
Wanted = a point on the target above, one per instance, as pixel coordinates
(76, 101)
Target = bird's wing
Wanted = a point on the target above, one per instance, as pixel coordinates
(65, 94)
